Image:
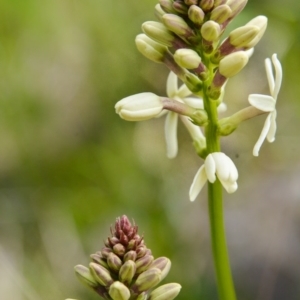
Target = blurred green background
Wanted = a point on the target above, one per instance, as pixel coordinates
(69, 165)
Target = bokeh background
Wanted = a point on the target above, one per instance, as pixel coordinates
(69, 165)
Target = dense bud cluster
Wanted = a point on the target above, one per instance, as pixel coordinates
(198, 25)
(125, 268)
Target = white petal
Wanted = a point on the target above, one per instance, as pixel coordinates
(223, 165)
(222, 107)
(172, 85)
(140, 115)
(198, 183)
(262, 136)
(273, 127)
(210, 168)
(183, 92)
(270, 76)
(278, 75)
(171, 134)
(229, 186)
(262, 102)
(194, 102)
(194, 130)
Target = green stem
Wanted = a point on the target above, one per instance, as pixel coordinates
(215, 200)
(218, 240)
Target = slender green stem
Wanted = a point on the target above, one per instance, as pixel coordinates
(219, 245)
(215, 200)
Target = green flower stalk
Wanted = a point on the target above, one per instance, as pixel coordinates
(188, 39)
(125, 268)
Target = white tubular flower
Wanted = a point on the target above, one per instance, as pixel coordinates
(181, 94)
(216, 164)
(268, 103)
(139, 107)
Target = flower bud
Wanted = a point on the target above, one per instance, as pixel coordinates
(191, 2)
(158, 32)
(165, 292)
(236, 7)
(180, 7)
(206, 5)
(219, 2)
(142, 296)
(114, 262)
(139, 107)
(100, 274)
(233, 63)
(187, 58)
(130, 255)
(177, 25)
(261, 22)
(119, 249)
(167, 6)
(147, 280)
(196, 15)
(149, 48)
(100, 260)
(127, 272)
(119, 291)
(220, 14)
(163, 264)
(158, 11)
(243, 36)
(85, 276)
(210, 31)
(143, 263)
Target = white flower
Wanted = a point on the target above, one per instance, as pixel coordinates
(181, 94)
(219, 164)
(268, 103)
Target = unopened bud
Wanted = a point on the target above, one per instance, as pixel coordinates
(163, 264)
(261, 22)
(99, 259)
(221, 13)
(127, 272)
(219, 2)
(114, 262)
(191, 2)
(158, 32)
(119, 249)
(236, 7)
(147, 280)
(167, 6)
(130, 255)
(210, 31)
(206, 5)
(85, 276)
(119, 291)
(177, 25)
(139, 107)
(196, 15)
(158, 11)
(151, 49)
(187, 58)
(100, 274)
(165, 292)
(243, 36)
(180, 7)
(142, 296)
(233, 63)
(143, 263)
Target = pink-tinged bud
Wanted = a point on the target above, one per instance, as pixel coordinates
(147, 280)
(105, 251)
(119, 249)
(141, 251)
(85, 276)
(180, 7)
(177, 25)
(127, 272)
(119, 291)
(130, 255)
(114, 262)
(165, 292)
(100, 274)
(191, 2)
(167, 6)
(99, 259)
(143, 263)
(196, 15)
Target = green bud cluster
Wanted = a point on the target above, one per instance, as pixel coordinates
(187, 39)
(125, 268)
